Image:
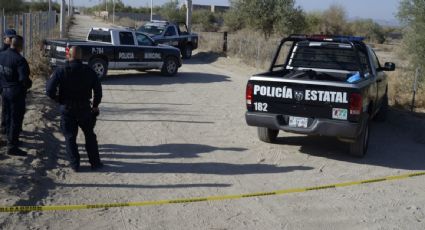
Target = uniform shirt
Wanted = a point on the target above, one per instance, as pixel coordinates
(76, 82)
(5, 47)
(14, 70)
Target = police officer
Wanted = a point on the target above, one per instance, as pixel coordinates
(7, 39)
(77, 83)
(15, 81)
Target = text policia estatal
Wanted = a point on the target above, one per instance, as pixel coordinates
(307, 95)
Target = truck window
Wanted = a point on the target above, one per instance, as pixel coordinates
(182, 29)
(99, 36)
(126, 38)
(321, 55)
(283, 54)
(143, 40)
(375, 60)
(364, 61)
(171, 31)
(152, 29)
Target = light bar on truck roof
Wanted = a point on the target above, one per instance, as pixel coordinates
(334, 38)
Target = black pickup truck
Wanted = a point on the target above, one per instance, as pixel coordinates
(320, 85)
(117, 48)
(173, 34)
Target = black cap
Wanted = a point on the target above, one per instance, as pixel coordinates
(10, 33)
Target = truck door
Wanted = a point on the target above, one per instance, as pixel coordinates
(125, 53)
(381, 78)
(170, 36)
(148, 54)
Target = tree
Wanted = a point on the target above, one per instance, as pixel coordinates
(335, 20)
(267, 16)
(412, 15)
(207, 19)
(369, 29)
(11, 6)
(171, 12)
(233, 20)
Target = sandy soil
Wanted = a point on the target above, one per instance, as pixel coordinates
(185, 136)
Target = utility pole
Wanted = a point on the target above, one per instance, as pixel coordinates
(113, 12)
(189, 15)
(62, 19)
(69, 8)
(50, 5)
(151, 10)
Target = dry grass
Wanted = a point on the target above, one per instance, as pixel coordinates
(128, 22)
(39, 64)
(247, 45)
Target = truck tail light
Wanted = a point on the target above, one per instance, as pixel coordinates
(356, 104)
(67, 52)
(249, 92)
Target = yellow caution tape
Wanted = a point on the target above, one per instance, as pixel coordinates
(201, 199)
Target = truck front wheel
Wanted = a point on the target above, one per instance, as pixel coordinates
(361, 144)
(187, 51)
(170, 66)
(99, 66)
(267, 135)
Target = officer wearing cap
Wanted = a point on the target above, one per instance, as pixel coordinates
(8, 35)
(77, 83)
(15, 81)
(7, 39)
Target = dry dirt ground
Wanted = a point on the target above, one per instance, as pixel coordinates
(185, 136)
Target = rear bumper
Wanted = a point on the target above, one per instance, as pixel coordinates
(55, 62)
(318, 126)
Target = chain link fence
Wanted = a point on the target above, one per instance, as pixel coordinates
(34, 27)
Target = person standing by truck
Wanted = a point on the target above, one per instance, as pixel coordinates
(7, 39)
(77, 83)
(15, 81)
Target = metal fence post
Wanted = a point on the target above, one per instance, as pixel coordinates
(30, 35)
(225, 42)
(2, 29)
(4, 22)
(16, 18)
(24, 30)
(415, 88)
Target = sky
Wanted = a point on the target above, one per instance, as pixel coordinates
(375, 9)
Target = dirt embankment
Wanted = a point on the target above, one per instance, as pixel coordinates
(25, 180)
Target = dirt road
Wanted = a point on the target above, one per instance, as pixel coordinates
(185, 136)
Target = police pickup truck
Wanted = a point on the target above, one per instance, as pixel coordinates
(320, 85)
(118, 48)
(176, 35)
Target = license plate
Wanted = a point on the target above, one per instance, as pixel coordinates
(298, 122)
(339, 114)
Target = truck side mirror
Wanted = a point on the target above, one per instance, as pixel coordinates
(388, 66)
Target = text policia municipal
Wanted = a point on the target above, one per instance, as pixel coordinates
(308, 95)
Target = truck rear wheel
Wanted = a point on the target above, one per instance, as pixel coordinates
(170, 66)
(267, 135)
(361, 144)
(187, 52)
(99, 66)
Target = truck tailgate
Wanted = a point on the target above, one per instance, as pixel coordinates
(308, 100)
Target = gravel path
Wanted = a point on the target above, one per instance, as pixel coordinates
(185, 136)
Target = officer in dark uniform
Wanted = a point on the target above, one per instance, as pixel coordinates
(7, 39)
(77, 83)
(15, 81)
